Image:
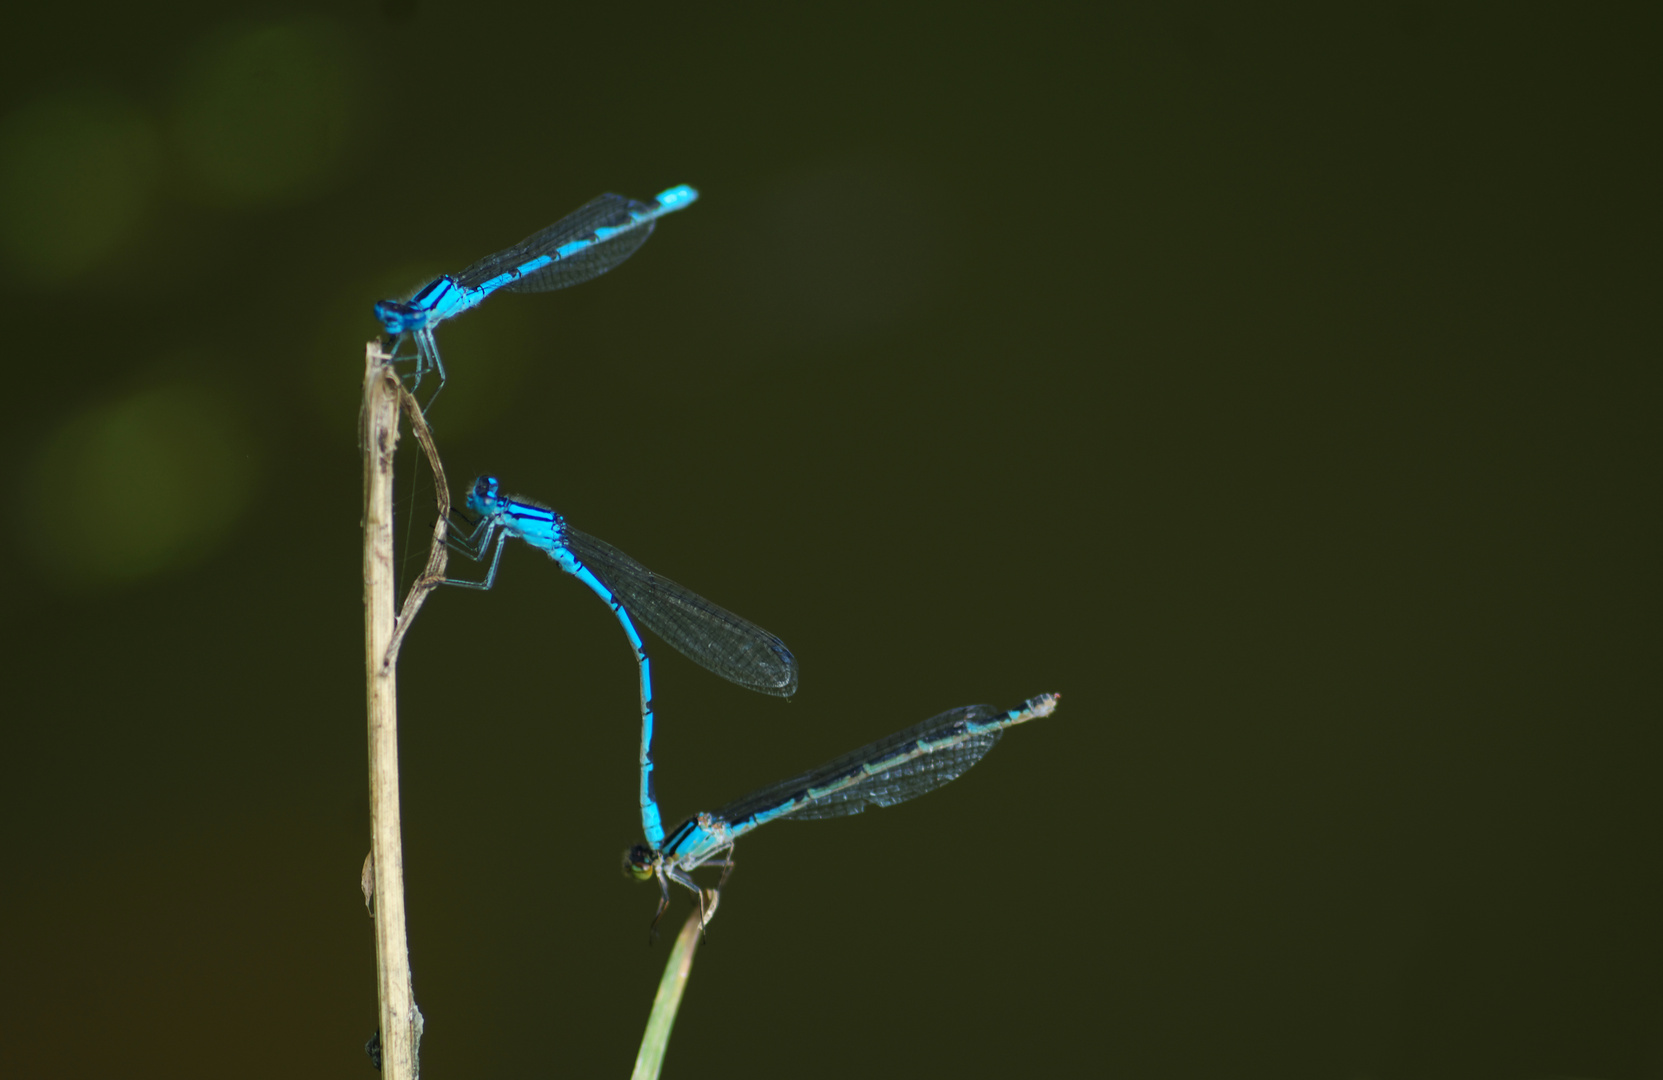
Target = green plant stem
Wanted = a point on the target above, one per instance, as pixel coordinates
(664, 1006)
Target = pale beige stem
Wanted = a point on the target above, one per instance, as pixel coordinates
(400, 1021)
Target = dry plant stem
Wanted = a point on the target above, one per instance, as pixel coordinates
(399, 1020)
(434, 574)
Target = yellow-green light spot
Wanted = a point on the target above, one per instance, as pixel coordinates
(265, 112)
(77, 176)
(124, 490)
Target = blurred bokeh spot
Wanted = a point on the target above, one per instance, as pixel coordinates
(77, 174)
(124, 490)
(265, 112)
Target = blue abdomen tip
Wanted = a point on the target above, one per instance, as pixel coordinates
(677, 197)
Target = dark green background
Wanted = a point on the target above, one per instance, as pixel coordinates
(1281, 388)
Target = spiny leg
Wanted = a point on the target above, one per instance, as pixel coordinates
(491, 575)
(727, 866)
(663, 906)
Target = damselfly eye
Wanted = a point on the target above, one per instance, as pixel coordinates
(638, 862)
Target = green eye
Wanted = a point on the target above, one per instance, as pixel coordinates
(639, 863)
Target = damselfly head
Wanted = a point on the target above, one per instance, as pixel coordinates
(394, 315)
(483, 498)
(640, 863)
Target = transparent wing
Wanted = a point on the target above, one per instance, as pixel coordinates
(712, 637)
(910, 774)
(605, 211)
